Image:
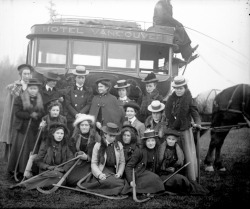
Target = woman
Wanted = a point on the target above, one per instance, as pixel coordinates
(145, 161)
(180, 109)
(131, 110)
(28, 109)
(123, 91)
(171, 158)
(12, 91)
(53, 151)
(81, 143)
(107, 163)
(128, 138)
(105, 106)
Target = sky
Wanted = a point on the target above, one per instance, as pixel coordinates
(220, 27)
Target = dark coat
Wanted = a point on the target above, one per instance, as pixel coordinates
(146, 101)
(180, 111)
(53, 154)
(60, 119)
(139, 162)
(48, 96)
(163, 15)
(76, 142)
(111, 111)
(78, 102)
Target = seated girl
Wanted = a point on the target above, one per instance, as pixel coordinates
(144, 161)
(81, 143)
(53, 151)
(128, 138)
(171, 158)
(107, 164)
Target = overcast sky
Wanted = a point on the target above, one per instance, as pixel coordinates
(220, 27)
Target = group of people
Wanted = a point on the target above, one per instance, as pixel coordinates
(103, 134)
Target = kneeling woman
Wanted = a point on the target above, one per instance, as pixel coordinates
(107, 164)
(81, 143)
(144, 161)
(53, 151)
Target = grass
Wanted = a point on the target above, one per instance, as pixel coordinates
(227, 189)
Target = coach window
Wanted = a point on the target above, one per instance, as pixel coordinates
(52, 52)
(122, 55)
(87, 53)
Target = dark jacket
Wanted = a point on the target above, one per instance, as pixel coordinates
(77, 142)
(111, 111)
(180, 111)
(60, 119)
(139, 162)
(78, 101)
(49, 96)
(53, 154)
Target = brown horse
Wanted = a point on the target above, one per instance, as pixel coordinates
(230, 107)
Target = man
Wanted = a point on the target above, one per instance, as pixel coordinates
(78, 97)
(13, 90)
(163, 15)
(49, 91)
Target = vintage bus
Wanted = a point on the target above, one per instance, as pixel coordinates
(107, 48)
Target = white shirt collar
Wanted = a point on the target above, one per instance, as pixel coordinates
(132, 120)
(24, 85)
(78, 86)
(124, 98)
(48, 87)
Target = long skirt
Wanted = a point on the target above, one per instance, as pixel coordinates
(148, 182)
(181, 185)
(44, 180)
(78, 173)
(188, 146)
(15, 150)
(109, 186)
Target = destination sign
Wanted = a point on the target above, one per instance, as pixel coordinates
(105, 33)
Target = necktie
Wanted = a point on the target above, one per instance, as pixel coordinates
(49, 90)
(79, 88)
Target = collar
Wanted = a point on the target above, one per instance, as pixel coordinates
(24, 85)
(48, 87)
(124, 98)
(108, 143)
(132, 120)
(78, 86)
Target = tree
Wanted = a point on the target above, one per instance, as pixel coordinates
(52, 10)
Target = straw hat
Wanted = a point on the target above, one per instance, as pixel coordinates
(121, 84)
(80, 70)
(156, 106)
(179, 81)
(82, 118)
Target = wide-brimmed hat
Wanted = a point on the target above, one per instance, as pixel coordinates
(34, 82)
(121, 84)
(126, 124)
(22, 66)
(156, 106)
(82, 118)
(179, 81)
(80, 70)
(150, 78)
(111, 128)
(173, 132)
(131, 104)
(149, 133)
(102, 79)
(51, 76)
(59, 125)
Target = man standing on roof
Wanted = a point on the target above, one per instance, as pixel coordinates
(163, 15)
